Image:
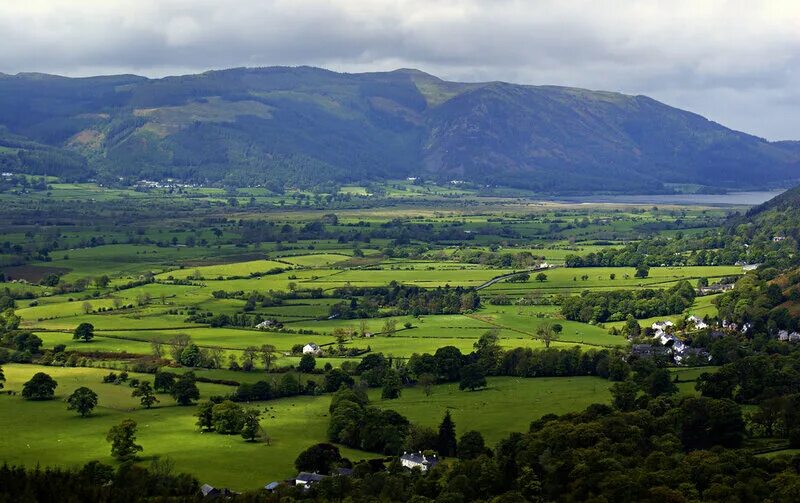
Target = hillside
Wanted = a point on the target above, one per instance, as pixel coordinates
(307, 127)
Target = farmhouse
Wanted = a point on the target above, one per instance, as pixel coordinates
(267, 324)
(311, 349)
(305, 479)
(662, 325)
(209, 491)
(418, 460)
(716, 288)
(648, 351)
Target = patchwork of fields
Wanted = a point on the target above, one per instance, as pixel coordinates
(141, 287)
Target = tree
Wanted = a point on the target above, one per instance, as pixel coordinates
(319, 458)
(546, 334)
(335, 379)
(185, 389)
(227, 417)
(632, 328)
(447, 444)
(340, 334)
(86, 307)
(267, 353)
(659, 382)
(642, 272)
(157, 346)
(706, 422)
(392, 385)
(82, 400)
(164, 382)
(541, 277)
(251, 425)
(248, 356)
(472, 377)
(427, 381)
(623, 395)
(389, 327)
(122, 438)
(488, 350)
(307, 363)
(204, 415)
(471, 445)
(101, 281)
(145, 394)
(191, 356)
(84, 332)
(448, 361)
(178, 344)
(40, 387)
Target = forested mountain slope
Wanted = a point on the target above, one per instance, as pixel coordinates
(307, 126)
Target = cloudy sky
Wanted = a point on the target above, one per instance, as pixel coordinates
(736, 62)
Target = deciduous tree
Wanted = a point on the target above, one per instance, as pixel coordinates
(83, 400)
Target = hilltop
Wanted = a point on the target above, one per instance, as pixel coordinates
(307, 127)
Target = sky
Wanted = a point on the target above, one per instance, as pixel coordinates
(735, 62)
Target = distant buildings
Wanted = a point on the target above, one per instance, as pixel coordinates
(418, 460)
(267, 324)
(305, 479)
(312, 349)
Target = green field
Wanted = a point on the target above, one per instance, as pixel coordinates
(177, 258)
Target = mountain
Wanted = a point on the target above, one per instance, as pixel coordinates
(308, 126)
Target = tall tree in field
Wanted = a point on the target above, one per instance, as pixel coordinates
(546, 334)
(363, 328)
(472, 377)
(145, 394)
(447, 443)
(251, 425)
(389, 328)
(40, 387)
(122, 438)
(392, 385)
(82, 400)
(267, 353)
(307, 363)
(427, 381)
(83, 332)
(185, 390)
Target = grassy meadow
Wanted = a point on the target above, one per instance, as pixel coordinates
(142, 265)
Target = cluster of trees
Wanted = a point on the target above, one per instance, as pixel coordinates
(519, 260)
(183, 387)
(228, 418)
(710, 249)
(662, 449)
(399, 232)
(367, 302)
(617, 305)
(355, 423)
(96, 481)
(754, 300)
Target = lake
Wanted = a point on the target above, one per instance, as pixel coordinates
(746, 198)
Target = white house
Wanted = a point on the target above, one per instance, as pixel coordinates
(311, 349)
(783, 335)
(794, 337)
(698, 322)
(662, 325)
(418, 460)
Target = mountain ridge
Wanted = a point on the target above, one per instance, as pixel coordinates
(306, 126)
